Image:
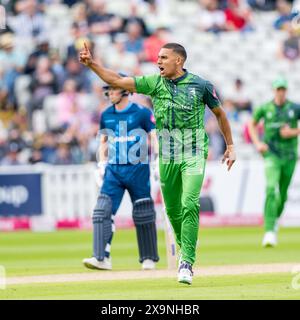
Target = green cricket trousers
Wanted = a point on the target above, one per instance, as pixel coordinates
(279, 173)
(181, 184)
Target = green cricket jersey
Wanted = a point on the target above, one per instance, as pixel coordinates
(179, 107)
(274, 118)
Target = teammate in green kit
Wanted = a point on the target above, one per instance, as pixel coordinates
(279, 149)
(179, 100)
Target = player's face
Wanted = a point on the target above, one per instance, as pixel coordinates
(168, 62)
(280, 94)
(114, 94)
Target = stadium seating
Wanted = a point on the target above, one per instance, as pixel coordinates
(251, 56)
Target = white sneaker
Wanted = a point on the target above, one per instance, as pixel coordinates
(148, 264)
(185, 273)
(93, 263)
(270, 239)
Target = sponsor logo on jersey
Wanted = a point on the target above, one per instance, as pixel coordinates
(180, 106)
(275, 125)
(124, 139)
(269, 115)
(192, 91)
(291, 114)
(186, 107)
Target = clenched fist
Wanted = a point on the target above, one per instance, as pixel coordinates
(261, 147)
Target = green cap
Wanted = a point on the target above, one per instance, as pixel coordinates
(280, 83)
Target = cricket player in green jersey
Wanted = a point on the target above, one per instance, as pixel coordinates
(279, 149)
(179, 100)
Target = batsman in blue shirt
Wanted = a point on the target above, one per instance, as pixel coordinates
(124, 160)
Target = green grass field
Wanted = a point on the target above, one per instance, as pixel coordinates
(27, 254)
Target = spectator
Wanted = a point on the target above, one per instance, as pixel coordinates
(102, 22)
(290, 48)
(70, 3)
(42, 49)
(211, 18)
(74, 70)
(135, 42)
(48, 147)
(216, 141)
(63, 155)
(12, 154)
(118, 58)
(3, 140)
(3, 91)
(5, 27)
(158, 15)
(29, 23)
(36, 156)
(230, 109)
(80, 18)
(153, 44)
(43, 83)
(240, 97)
(238, 16)
(12, 62)
(133, 17)
(66, 102)
(75, 34)
(284, 8)
(15, 137)
(77, 42)
(265, 5)
(57, 67)
(79, 121)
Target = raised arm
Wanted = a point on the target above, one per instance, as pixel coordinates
(226, 131)
(110, 77)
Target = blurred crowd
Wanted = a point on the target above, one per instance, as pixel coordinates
(50, 104)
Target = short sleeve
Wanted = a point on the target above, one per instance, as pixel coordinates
(258, 113)
(149, 120)
(146, 84)
(297, 110)
(210, 97)
(101, 123)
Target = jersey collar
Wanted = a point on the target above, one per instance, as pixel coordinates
(179, 78)
(281, 106)
(125, 109)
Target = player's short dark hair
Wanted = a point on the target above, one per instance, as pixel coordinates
(176, 47)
